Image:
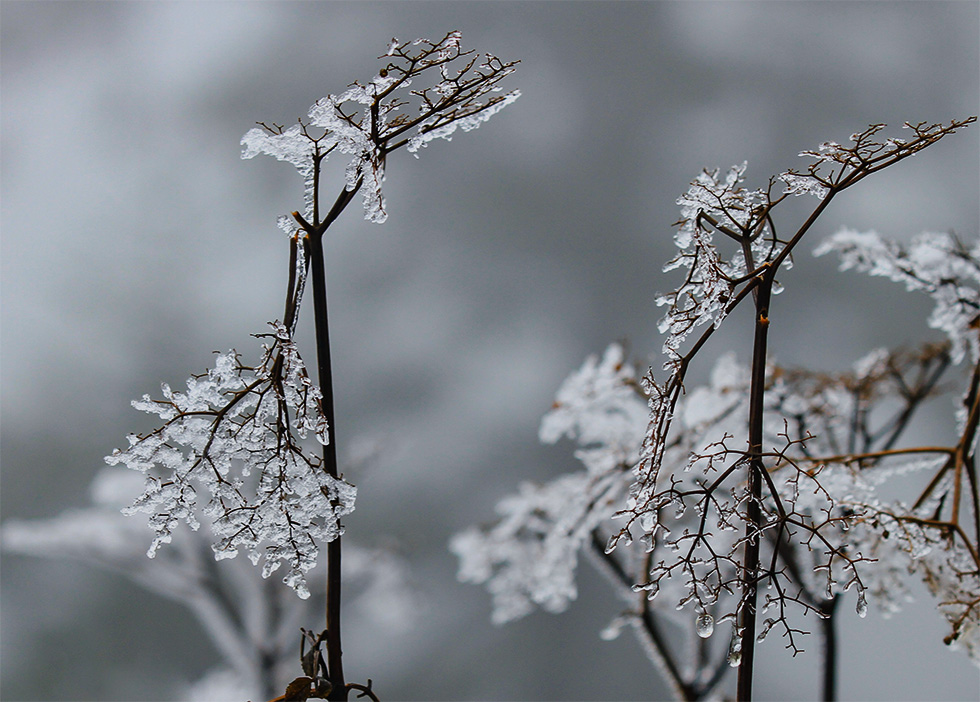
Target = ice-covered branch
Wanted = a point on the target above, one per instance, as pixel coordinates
(370, 120)
(232, 442)
(763, 484)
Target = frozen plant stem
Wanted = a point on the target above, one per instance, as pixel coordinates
(319, 282)
(746, 218)
(463, 98)
(756, 469)
(700, 506)
(828, 628)
(314, 241)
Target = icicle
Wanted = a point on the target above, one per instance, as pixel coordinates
(862, 605)
(735, 649)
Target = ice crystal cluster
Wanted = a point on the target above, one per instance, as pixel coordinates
(232, 443)
(369, 120)
(666, 464)
(712, 205)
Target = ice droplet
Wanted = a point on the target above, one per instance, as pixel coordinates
(705, 625)
(735, 650)
(766, 628)
(862, 605)
(679, 508)
(611, 544)
(322, 431)
(615, 628)
(653, 590)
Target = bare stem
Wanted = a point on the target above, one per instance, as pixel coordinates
(828, 627)
(334, 650)
(315, 232)
(750, 574)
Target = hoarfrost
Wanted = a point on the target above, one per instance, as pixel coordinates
(234, 436)
(370, 120)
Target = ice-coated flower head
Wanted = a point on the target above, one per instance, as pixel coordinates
(231, 446)
(369, 120)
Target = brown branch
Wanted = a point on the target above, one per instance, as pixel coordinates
(756, 469)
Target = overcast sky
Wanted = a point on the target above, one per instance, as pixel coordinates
(135, 242)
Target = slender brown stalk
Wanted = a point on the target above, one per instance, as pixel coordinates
(828, 629)
(314, 238)
(756, 470)
(334, 650)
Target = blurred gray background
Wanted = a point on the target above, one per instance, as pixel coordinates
(135, 242)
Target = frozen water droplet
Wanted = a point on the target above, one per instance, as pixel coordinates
(614, 629)
(735, 650)
(647, 542)
(705, 625)
(322, 432)
(611, 544)
(653, 590)
(766, 628)
(647, 521)
(679, 509)
(862, 605)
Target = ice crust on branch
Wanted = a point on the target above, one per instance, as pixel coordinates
(712, 204)
(234, 438)
(369, 120)
(834, 166)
